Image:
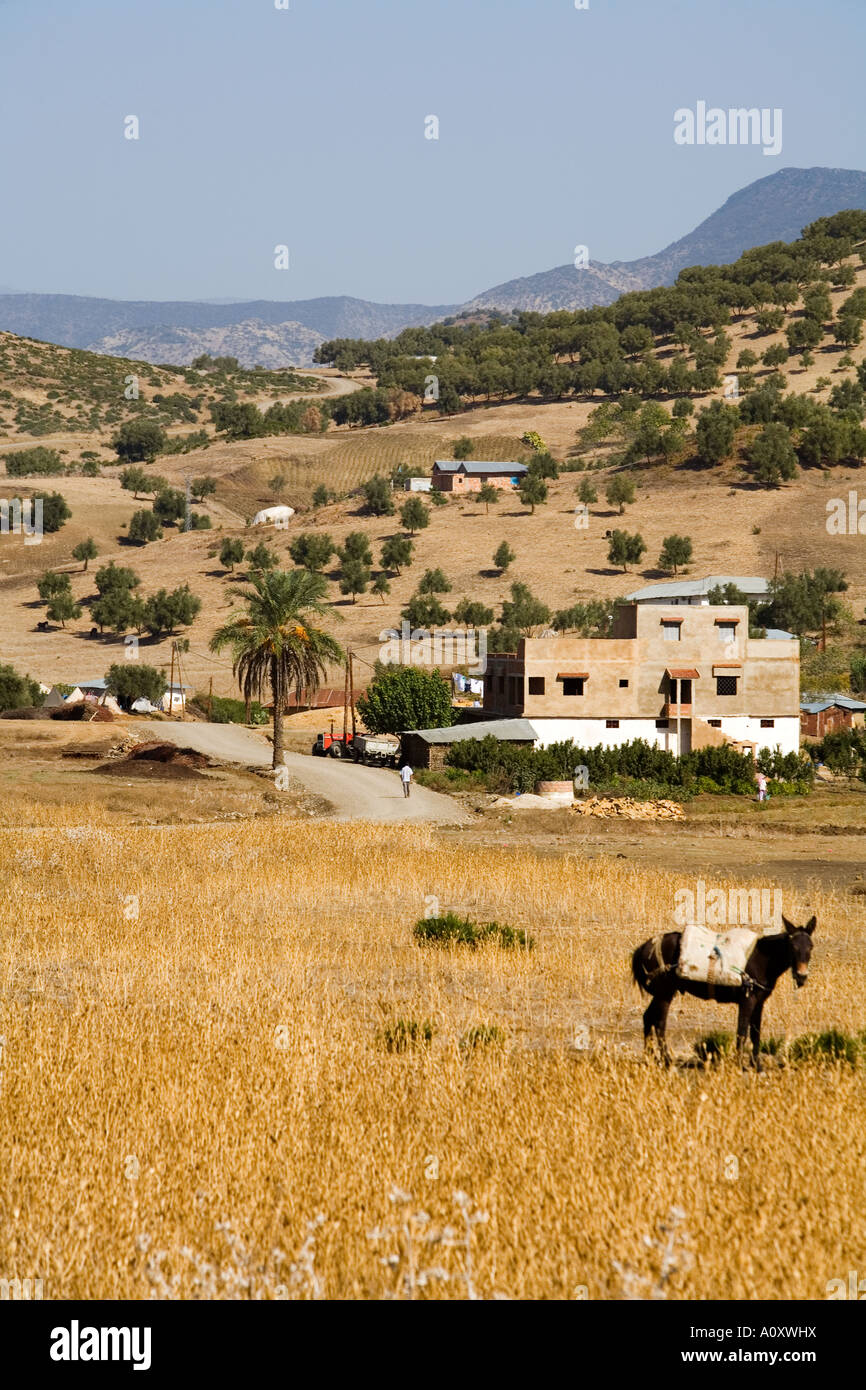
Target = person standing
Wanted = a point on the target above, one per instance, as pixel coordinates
(406, 778)
(762, 786)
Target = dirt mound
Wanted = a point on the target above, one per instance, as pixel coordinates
(29, 712)
(165, 761)
(98, 714)
(155, 752)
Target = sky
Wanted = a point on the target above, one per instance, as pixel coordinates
(305, 127)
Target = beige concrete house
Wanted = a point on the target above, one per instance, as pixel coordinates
(679, 677)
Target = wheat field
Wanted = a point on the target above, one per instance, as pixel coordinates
(199, 1100)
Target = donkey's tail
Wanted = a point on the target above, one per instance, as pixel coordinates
(639, 970)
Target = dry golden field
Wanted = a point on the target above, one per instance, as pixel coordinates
(197, 1099)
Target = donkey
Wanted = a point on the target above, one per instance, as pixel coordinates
(653, 968)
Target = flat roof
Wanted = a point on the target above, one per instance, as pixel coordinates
(697, 588)
(510, 730)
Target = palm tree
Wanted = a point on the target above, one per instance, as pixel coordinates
(274, 644)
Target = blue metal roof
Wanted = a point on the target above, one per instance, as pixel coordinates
(477, 466)
(827, 701)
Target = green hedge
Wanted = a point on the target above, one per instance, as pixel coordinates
(706, 769)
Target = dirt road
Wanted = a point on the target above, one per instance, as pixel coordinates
(356, 793)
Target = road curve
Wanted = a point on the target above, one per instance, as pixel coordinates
(356, 793)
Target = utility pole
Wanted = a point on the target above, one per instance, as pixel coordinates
(345, 702)
(187, 524)
(171, 685)
(776, 569)
(210, 701)
(352, 693)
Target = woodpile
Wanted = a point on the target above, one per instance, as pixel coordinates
(626, 808)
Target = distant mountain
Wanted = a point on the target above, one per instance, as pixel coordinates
(776, 208)
(276, 334)
(252, 342)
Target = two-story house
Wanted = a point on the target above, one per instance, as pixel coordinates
(679, 677)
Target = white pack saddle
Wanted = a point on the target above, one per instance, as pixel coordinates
(715, 957)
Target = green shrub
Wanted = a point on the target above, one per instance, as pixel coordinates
(227, 711)
(451, 930)
(404, 1034)
(829, 1046)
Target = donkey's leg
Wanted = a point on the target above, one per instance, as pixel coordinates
(755, 1033)
(655, 1022)
(744, 1020)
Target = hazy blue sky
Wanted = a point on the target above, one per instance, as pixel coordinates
(306, 127)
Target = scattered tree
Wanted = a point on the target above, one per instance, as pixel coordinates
(86, 551)
(312, 549)
(619, 492)
(503, 556)
(139, 441)
(532, 491)
(414, 516)
(676, 551)
(231, 553)
(625, 549)
(144, 526)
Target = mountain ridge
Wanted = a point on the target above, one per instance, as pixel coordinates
(275, 333)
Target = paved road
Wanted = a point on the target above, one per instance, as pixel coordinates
(356, 793)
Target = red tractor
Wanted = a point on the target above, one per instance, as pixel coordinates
(333, 745)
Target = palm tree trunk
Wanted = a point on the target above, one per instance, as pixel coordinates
(277, 692)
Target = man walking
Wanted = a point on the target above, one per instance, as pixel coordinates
(406, 778)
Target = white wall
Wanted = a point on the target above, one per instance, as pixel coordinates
(588, 733)
(785, 734)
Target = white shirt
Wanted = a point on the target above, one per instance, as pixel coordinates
(405, 773)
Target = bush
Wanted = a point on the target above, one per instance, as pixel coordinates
(38, 461)
(18, 692)
(227, 711)
(451, 930)
(404, 1034)
(830, 1046)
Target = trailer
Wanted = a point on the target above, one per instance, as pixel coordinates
(375, 750)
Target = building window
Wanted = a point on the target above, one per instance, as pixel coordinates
(611, 723)
(662, 724)
(768, 723)
(536, 685)
(685, 692)
(726, 685)
(623, 685)
(572, 685)
(714, 723)
(727, 632)
(671, 631)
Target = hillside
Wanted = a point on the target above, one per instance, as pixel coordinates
(276, 334)
(735, 525)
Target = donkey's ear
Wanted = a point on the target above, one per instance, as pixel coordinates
(811, 925)
(789, 926)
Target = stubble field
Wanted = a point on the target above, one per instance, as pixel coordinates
(199, 1099)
